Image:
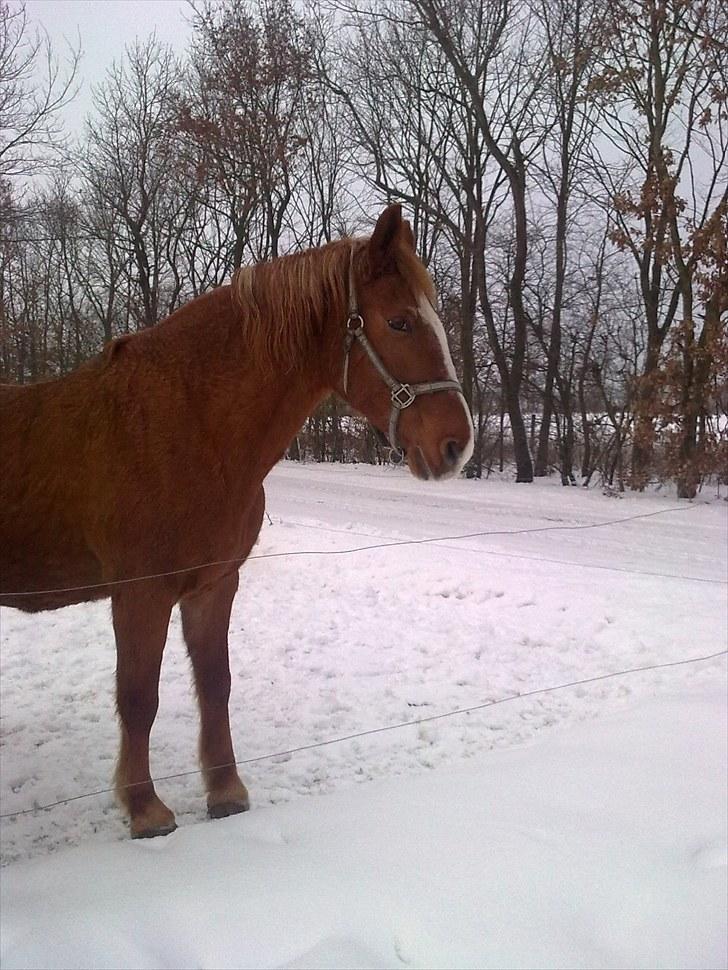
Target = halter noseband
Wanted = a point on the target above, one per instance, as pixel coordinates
(401, 395)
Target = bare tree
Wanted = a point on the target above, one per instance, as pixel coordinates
(412, 143)
(129, 167)
(490, 48)
(34, 88)
(415, 78)
(242, 115)
(572, 34)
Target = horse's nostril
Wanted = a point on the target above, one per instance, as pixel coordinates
(451, 451)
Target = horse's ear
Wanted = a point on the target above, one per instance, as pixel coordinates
(407, 235)
(387, 232)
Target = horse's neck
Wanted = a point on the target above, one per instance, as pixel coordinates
(251, 412)
(270, 414)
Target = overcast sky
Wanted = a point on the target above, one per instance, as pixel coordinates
(105, 27)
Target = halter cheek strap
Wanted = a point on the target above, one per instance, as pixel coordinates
(401, 395)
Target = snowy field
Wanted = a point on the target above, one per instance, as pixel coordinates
(596, 837)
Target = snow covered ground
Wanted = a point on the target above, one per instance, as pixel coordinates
(602, 846)
(599, 844)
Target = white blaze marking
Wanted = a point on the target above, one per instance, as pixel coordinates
(427, 313)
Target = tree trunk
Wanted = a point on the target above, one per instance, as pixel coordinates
(698, 359)
(524, 467)
(644, 422)
(540, 469)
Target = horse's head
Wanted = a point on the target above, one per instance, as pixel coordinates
(398, 370)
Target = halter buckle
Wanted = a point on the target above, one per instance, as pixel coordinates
(402, 396)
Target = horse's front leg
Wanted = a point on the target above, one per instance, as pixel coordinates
(205, 620)
(141, 618)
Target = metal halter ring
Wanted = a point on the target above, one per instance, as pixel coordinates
(403, 396)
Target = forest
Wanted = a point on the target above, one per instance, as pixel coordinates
(564, 165)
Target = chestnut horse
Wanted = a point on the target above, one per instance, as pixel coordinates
(139, 476)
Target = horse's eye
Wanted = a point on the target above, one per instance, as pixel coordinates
(399, 323)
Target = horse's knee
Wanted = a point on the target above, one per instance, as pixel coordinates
(141, 632)
(137, 706)
(213, 683)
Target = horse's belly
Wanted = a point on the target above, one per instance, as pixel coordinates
(39, 574)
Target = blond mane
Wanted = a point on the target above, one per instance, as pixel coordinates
(284, 304)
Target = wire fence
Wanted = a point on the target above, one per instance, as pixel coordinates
(499, 554)
(367, 548)
(368, 732)
(415, 721)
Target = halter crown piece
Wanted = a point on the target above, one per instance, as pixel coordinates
(401, 395)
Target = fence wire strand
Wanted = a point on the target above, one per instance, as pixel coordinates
(479, 550)
(428, 719)
(355, 549)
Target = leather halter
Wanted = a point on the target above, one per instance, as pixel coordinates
(402, 395)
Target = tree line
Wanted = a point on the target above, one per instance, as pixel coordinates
(564, 164)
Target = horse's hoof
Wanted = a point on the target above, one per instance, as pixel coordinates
(223, 809)
(152, 833)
